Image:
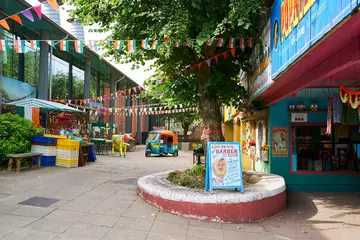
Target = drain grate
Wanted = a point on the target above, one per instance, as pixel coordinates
(39, 202)
(129, 181)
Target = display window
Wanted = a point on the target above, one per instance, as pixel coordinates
(313, 151)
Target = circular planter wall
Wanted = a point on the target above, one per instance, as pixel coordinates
(261, 200)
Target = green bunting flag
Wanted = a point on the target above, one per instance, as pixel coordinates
(155, 44)
(79, 47)
(64, 45)
(210, 42)
(131, 45)
(4, 45)
(34, 44)
(145, 44)
(118, 45)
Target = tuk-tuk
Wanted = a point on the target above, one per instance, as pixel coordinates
(162, 143)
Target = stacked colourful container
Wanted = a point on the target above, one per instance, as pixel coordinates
(46, 146)
(67, 154)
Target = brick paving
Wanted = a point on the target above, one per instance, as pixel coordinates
(99, 201)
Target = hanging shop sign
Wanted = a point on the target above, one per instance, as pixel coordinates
(224, 166)
(260, 59)
(280, 141)
(298, 25)
(299, 117)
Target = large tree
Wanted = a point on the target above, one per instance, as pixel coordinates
(185, 119)
(194, 21)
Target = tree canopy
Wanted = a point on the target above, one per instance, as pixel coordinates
(192, 21)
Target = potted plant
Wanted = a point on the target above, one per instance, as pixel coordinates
(264, 152)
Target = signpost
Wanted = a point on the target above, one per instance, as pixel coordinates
(223, 166)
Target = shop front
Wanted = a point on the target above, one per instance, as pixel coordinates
(315, 141)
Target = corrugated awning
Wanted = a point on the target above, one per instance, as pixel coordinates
(45, 105)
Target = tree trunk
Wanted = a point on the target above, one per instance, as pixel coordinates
(186, 130)
(209, 110)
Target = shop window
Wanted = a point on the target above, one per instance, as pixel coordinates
(313, 150)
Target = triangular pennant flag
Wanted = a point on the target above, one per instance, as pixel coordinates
(50, 42)
(192, 68)
(34, 44)
(185, 71)
(64, 45)
(216, 59)
(210, 42)
(224, 55)
(38, 10)
(118, 44)
(231, 43)
(177, 43)
(4, 24)
(139, 87)
(131, 45)
(19, 46)
(134, 88)
(220, 42)
(208, 62)
(4, 45)
(155, 44)
(250, 43)
(54, 5)
(145, 44)
(16, 18)
(242, 44)
(233, 52)
(69, 101)
(27, 13)
(199, 65)
(79, 47)
(129, 90)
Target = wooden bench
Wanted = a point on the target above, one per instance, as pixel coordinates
(197, 158)
(21, 157)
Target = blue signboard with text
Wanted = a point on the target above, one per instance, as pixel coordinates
(223, 166)
(296, 25)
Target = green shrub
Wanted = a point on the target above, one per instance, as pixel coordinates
(15, 135)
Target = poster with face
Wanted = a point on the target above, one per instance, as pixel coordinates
(279, 141)
(225, 165)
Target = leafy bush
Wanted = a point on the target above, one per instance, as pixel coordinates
(195, 177)
(15, 135)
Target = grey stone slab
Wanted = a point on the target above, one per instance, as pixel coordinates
(28, 234)
(123, 197)
(141, 209)
(3, 195)
(86, 230)
(207, 233)
(169, 228)
(124, 234)
(162, 236)
(6, 230)
(39, 202)
(8, 207)
(70, 237)
(13, 221)
(81, 204)
(29, 211)
(171, 218)
(99, 219)
(65, 216)
(236, 235)
(134, 224)
(49, 225)
(114, 208)
(244, 227)
(204, 224)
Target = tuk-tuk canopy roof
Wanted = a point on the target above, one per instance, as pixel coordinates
(167, 133)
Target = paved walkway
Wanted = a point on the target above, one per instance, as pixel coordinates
(99, 201)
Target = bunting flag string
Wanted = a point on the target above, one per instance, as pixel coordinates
(349, 96)
(118, 44)
(27, 14)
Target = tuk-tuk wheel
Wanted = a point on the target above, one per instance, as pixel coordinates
(175, 154)
(147, 154)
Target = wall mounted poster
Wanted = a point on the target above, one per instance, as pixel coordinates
(280, 141)
(223, 166)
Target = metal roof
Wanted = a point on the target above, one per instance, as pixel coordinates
(45, 105)
(31, 31)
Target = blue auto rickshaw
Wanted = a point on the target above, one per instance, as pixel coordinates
(162, 143)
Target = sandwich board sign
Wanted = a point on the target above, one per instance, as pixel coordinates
(223, 166)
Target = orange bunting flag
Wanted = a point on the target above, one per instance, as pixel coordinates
(233, 52)
(4, 24)
(53, 4)
(16, 18)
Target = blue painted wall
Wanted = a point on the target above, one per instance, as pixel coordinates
(281, 165)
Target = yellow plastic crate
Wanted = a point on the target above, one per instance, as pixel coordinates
(67, 155)
(66, 163)
(54, 136)
(68, 145)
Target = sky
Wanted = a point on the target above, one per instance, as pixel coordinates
(138, 75)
